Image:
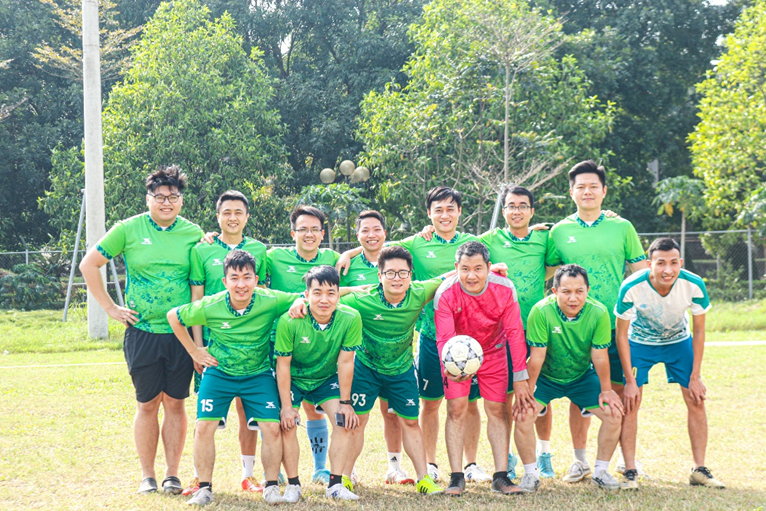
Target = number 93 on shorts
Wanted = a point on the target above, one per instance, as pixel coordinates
(400, 390)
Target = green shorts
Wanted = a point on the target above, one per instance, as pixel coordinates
(258, 392)
(401, 391)
(583, 392)
(430, 375)
(615, 366)
(327, 390)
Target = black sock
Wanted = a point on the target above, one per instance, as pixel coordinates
(434, 464)
(294, 480)
(470, 464)
(500, 475)
(272, 483)
(335, 479)
(206, 485)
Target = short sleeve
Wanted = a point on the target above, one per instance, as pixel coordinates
(192, 314)
(269, 262)
(430, 286)
(700, 299)
(283, 346)
(262, 268)
(602, 337)
(350, 300)
(113, 242)
(335, 257)
(634, 252)
(196, 269)
(552, 257)
(407, 243)
(285, 300)
(537, 329)
(624, 308)
(353, 339)
(486, 238)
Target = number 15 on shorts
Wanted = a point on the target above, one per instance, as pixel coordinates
(206, 405)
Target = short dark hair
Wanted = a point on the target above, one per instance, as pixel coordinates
(442, 193)
(663, 245)
(519, 190)
(570, 270)
(588, 167)
(393, 252)
(322, 274)
(170, 176)
(232, 195)
(239, 260)
(301, 210)
(369, 214)
(470, 249)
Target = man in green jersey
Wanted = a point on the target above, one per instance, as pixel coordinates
(603, 246)
(206, 278)
(286, 267)
(237, 364)
(156, 247)
(315, 365)
(567, 332)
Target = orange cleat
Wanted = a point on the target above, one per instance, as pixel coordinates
(249, 484)
(192, 488)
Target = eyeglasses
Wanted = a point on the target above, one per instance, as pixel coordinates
(522, 208)
(402, 274)
(313, 230)
(160, 199)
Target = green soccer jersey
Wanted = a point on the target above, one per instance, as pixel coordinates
(569, 341)
(286, 267)
(314, 350)
(240, 341)
(360, 273)
(207, 262)
(602, 248)
(431, 259)
(387, 330)
(157, 263)
(526, 259)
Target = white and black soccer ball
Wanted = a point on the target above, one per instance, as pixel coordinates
(462, 355)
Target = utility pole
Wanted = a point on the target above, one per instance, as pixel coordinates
(94, 154)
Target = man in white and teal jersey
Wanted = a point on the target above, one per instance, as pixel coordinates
(603, 246)
(385, 364)
(237, 364)
(286, 268)
(315, 365)
(156, 247)
(568, 334)
(207, 279)
(652, 328)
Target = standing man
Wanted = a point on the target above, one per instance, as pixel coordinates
(569, 334)
(485, 306)
(653, 328)
(206, 279)
(156, 247)
(603, 246)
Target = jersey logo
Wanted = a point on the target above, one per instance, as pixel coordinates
(217, 262)
(556, 330)
(225, 325)
(146, 241)
(572, 239)
(305, 340)
(334, 385)
(431, 255)
(361, 277)
(410, 402)
(507, 244)
(378, 317)
(270, 404)
(291, 269)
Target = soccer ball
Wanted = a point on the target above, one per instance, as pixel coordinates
(462, 355)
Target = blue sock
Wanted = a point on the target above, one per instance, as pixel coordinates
(319, 438)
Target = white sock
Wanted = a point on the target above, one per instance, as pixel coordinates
(543, 447)
(620, 457)
(532, 469)
(395, 460)
(602, 465)
(195, 473)
(581, 455)
(247, 466)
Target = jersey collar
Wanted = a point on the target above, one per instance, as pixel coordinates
(516, 239)
(366, 262)
(298, 256)
(316, 325)
(594, 224)
(441, 240)
(385, 302)
(566, 318)
(234, 312)
(242, 243)
(158, 227)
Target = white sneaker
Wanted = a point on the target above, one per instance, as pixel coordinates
(577, 472)
(201, 497)
(433, 471)
(476, 474)
(340, 492)
(354, 477)
(398, 476)
(292, 493)
(272, 496)
(529, 483)
(604, 479)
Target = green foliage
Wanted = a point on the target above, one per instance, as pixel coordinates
(338, 201)
(681, 192)
(754, 212)
(269, 213)
(29, 287)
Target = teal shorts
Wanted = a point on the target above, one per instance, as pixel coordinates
(327, 390)
(401, 391)
(258, 392)
(197, 376)
(583, 392)
(430, 375)
(615, 366)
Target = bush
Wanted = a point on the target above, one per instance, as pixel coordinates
(28, 287)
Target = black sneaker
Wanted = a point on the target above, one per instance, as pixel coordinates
(456, 485)
(701, 476)
(148, 485)
(505, 486)
(629, 480)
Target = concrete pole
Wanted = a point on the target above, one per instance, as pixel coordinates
(94, 153)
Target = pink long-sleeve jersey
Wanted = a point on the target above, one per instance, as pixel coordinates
(492, 317)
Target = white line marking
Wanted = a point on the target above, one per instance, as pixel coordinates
(736, 343)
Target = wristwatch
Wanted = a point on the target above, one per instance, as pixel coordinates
(346, 402)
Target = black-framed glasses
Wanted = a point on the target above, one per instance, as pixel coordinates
(161, 199)
(402, 274)
(304, 230)
(522, 208)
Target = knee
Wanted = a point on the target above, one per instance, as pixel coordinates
(172, 405)
(409, 424)
(456, 412)
(495, 410)
(428, 406)
(611, 421)
(149, 407)
(271, 431)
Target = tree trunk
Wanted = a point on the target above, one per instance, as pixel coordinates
(507, 108)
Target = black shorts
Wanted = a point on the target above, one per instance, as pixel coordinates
(157, 363)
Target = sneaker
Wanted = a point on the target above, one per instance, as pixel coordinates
(398, 476)
(340, 492)
(629, 480)
(427, 486)
(701, 476)
(354, 477)
(544, 466)
(148, 485)
(272, 496)
(512, 462)
(347, 483)
(433, 471)
(251, 485)
(172, 485)
(476, 474)
(505, 486)
(604, 479)
(201, 497)
(577, 472)
(193, 487)
(321, 476)
(529, 483)
(292, 493)
(456, 485)
(639, 468)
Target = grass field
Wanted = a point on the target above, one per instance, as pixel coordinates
(66, 439)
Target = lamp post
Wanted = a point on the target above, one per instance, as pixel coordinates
(353, 174)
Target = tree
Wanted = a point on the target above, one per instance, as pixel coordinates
(338, 201)
(683, 193)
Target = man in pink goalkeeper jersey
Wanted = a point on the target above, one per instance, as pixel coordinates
(484, 306)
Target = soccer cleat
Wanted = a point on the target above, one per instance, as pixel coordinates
(427, 486)
(629, 479)
(701, 476)
(512, 462)
(456, 485)
(398, 476)
(292, 493)
(347, 482)
(148, 485)
(604, 479)
(272, 496)
(321, 476)
(340, 492)
(172, 485)
(251, 485)
(201, 497)
(192, 488)
(577, 472)
(476, 474)
(433, 471)
(529, 483)
(505, 486)
(545, 466)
